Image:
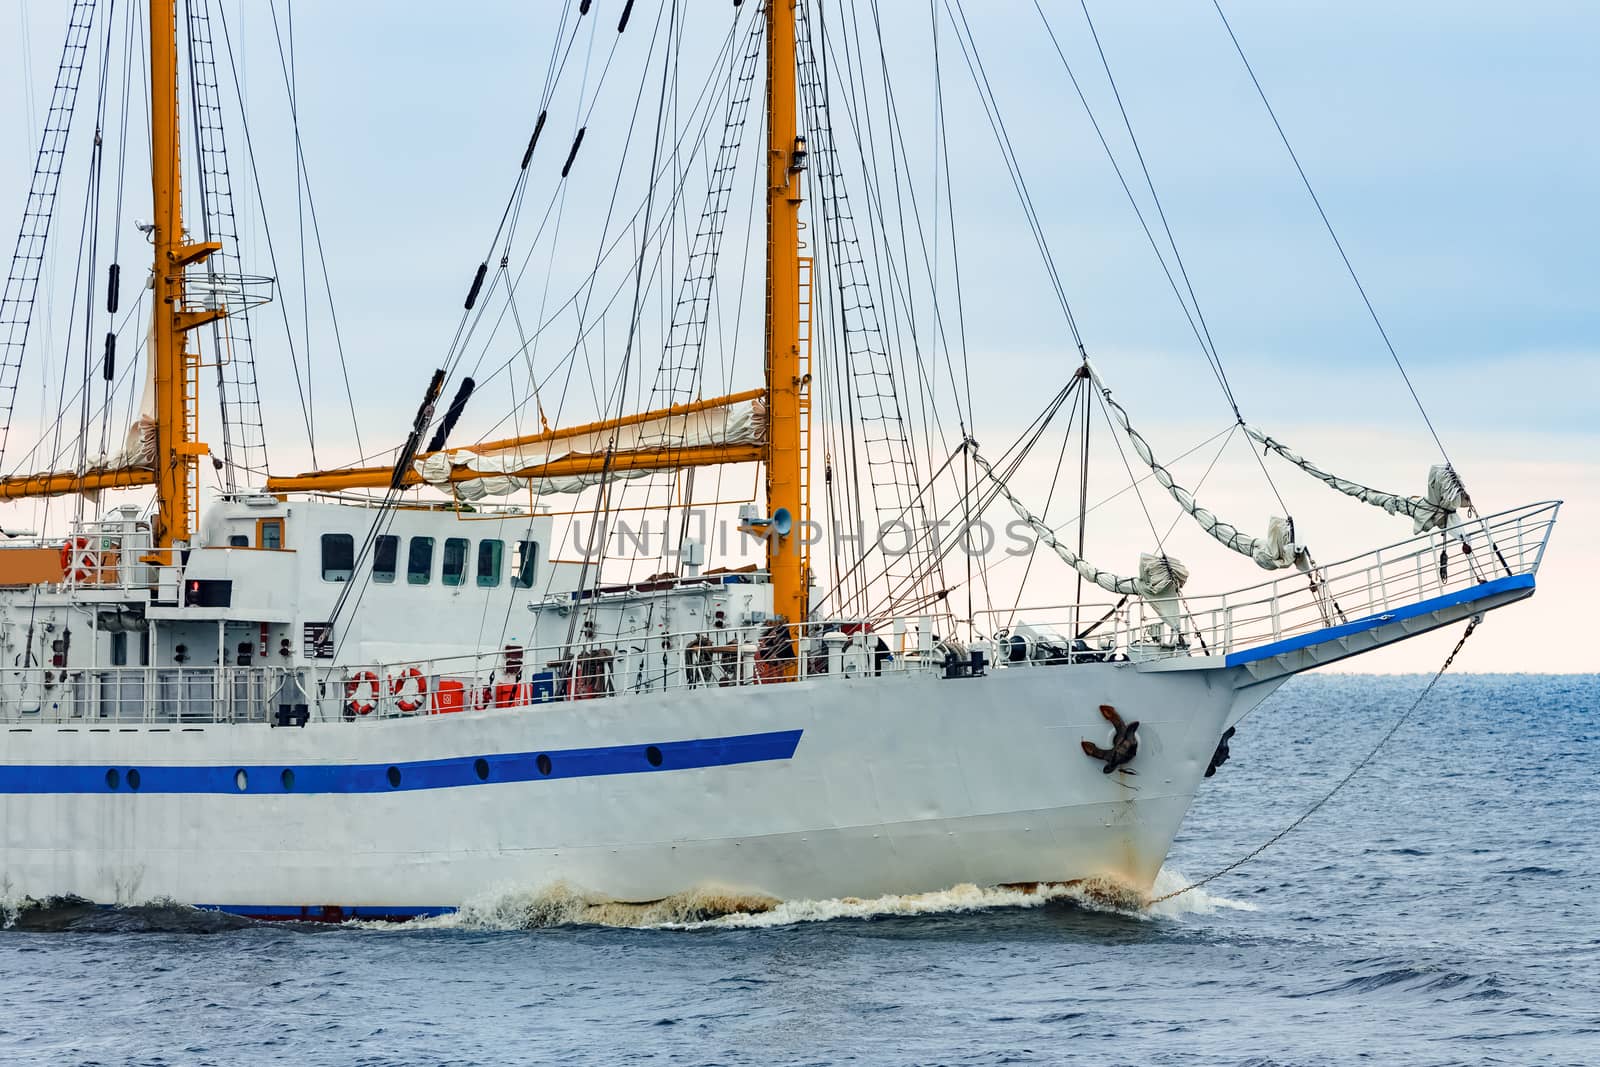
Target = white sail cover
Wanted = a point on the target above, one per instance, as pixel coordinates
(1436, 511)
(1160, 578)
(1275, 551)
(743, 423)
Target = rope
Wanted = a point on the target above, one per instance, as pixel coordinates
(1328, 224)
(1340, 784)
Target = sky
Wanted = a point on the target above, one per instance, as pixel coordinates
(1449, 144)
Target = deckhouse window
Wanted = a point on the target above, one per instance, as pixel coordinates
(269, 533)
(490, 554)
(419, 561)
(527, 564)
(455, 560)
(384, 555)
(338, 557)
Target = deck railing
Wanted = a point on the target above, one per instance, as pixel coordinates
(149, 695)
(1505, 545)
(510, 677)
(599, 665)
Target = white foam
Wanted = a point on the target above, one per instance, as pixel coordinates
(1194, 902)
(955, 900)
(710, 908)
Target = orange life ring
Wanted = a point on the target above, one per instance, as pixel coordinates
(78, 559)
(398, 686)
(352, 690)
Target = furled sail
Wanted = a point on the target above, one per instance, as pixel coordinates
(132, 465)
(1436, 511)
(1275, 551)
(742, 423)
(1161, 578)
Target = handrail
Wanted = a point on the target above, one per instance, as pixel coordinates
(605, 665)
(1507, 544)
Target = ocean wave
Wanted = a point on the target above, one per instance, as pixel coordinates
(78, 916)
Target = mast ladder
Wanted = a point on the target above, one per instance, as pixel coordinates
(243, 432)
(803, 337)
(27, 261)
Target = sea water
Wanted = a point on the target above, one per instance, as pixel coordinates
(1440, 909)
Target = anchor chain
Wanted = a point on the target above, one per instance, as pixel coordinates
(1281, 834)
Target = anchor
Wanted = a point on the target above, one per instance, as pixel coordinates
(1220, 756)
(1124, 742)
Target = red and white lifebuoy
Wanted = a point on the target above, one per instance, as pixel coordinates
(400, 684)
(352, 692)
(79, 561)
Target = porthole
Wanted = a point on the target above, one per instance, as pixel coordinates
(287, 778)
(481, 768)
(113, 779)
(394, 777)
(543, 763)
(653, 754)
(241, 780)
(133, 779)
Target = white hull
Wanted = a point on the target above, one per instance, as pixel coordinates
(897, 784)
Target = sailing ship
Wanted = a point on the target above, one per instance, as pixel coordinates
(377, 689)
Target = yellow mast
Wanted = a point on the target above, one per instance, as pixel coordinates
(175, 369)
(785, 468)
(177, 451)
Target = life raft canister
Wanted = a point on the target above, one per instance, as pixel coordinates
(79, 560)
(352, 692)
(398, 688)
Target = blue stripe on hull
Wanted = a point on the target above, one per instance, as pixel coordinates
(1372, 622)
(400, 777)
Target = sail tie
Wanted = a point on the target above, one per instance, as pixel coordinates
(1435, 511)
(1276, 551)
(1161, 578)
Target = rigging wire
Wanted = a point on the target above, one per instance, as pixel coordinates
(969, 52)
(34, 238)
(1337, 786)
(303, 181)
(116, 213)
(387, 504)
(586, 289)
(243, 427)
(580, 297)
(301, 383)
(1077, 519)
(1196, 317)
(603, 498)
(286, 63)
(1055, 478)
(1209, 345)
(882, 447)
(90, 266)
(1133, 201)
(28, 458)
(1012, 457)
(1328, 224)
(1111, 428)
